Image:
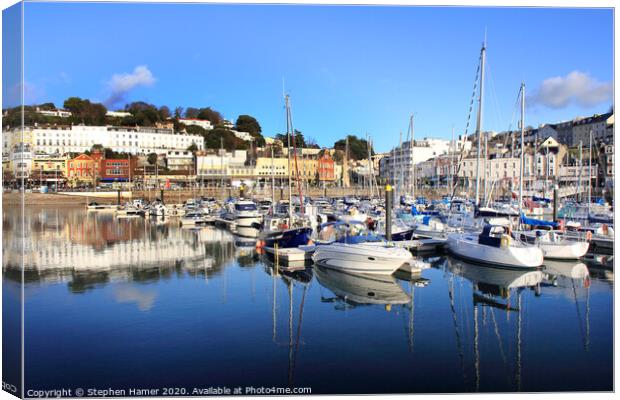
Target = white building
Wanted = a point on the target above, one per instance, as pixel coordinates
(400, 161)
(54, 113)
(118, 114)
(203, 123)
(245, 136)
(220, 163)
(180, 160)
(21, 160)
(134, 140)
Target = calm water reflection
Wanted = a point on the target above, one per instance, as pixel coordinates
(127, 303)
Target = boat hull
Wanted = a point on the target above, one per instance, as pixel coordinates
(361, 258)
(467, 248)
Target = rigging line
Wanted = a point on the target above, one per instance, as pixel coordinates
(471, 105)
(499, 338)
(494, 95)
(459, 344)
(512, 119)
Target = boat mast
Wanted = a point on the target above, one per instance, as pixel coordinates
(411, 148)
(521, 162)
(299, 183)
(273, 180)
(288, 153)
(401, 178)
(451, 170)
(590, 173)
(580, 169)
(479, 118)
(369, 166)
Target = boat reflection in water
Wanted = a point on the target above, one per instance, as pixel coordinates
(359, 289)
(291, 278)
(575, 277)
(492, 289)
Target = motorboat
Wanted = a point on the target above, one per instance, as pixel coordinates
(495, 246)
(129, 211)
(94, 206)
(359, 252)
(400, 230)
(244, 213)
(432, 227)
(195, 218)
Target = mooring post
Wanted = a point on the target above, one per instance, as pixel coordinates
(388, 212)
(555, 203)
(161, 195)
(118, 197)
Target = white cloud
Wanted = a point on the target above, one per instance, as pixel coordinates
(576, 87)
(121, 84)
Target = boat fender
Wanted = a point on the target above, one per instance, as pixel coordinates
(589, 236)
(505, 241)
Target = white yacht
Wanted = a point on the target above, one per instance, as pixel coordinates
(494, 246)
(555, 245)
(361, 253)
(244, 213)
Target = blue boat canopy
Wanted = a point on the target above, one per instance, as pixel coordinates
(538, 222)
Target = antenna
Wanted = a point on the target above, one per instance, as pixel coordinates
(484, 44)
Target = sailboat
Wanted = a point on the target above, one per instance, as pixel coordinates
(289, 231)
(495, 245)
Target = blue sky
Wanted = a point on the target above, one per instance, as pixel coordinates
(349, 70)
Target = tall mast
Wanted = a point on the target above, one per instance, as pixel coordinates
(222, 167)
(484, 165)
(411, 148)
(580, 171)
(590, 172)
(288, 152)
(273, 180)
(479, 118)
(299, 183)
(400, 158)
(369, 166)
(451, 170)
(522, 149)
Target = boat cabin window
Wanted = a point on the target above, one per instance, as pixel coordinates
(245, 207)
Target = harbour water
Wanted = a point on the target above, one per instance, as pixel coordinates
(119, 304)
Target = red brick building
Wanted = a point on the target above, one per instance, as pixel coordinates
(326, 168)
(95, 168)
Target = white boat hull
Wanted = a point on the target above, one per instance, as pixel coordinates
(466, 246)
(361, 258)
(567, 250)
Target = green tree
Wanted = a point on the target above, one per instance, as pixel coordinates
(191, 112)
(299, 139)
(178, 112)
(192, 147)
(151, 158)
(215, 117)
(247, 123)
(358, 148)
(144, 114)
(85, 112)
(214, 138)
(164, 113)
